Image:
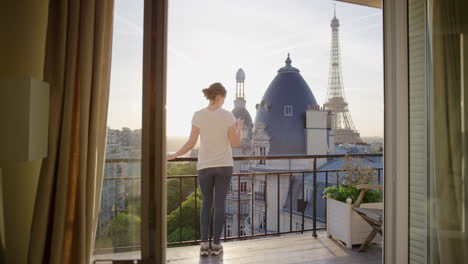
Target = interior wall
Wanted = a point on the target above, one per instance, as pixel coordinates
(23, 26)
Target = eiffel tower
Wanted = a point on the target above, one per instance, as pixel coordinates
(342, 124)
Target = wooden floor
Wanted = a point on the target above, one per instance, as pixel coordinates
(284, 249)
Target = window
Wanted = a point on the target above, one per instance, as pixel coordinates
(121, 183)
(262, 151)
(288, 110)
(243, 187)
(244, 209)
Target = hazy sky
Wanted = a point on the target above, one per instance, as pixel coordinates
(210, 39)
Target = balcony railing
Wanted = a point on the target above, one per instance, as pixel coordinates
(275, 176)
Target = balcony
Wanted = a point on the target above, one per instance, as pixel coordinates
(292, 226)
(278, 250)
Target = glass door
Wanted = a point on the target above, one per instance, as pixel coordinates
(119, 222)
(438, 119)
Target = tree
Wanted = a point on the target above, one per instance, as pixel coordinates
(184, 222)
(181, 168)
(174, 186)
(133, 207)
(124, 230)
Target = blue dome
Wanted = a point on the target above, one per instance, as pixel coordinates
(287, 133)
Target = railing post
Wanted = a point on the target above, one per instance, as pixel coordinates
(238, 206)
(133, 213)
(210, 239)
(225, 228)
(265, 203)
(303, 203)
(290, 202)
(115, 198)
(378, 173)
(314, 232)
(225, 220)
(252, 215)
(196, 212)
(326, 179)
(326, 185)
(337, 178)
(180, 210)
(278, 202)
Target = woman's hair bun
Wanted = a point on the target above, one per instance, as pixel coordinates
(214, 90)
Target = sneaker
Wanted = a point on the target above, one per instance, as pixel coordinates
(204, 249)
(216, 249)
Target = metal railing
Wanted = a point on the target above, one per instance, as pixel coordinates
(263, 196)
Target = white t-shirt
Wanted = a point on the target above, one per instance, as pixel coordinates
(215, 149)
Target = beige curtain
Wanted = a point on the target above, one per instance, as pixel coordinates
(447, 25)
(77, 66)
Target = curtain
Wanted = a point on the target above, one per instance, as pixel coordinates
(449, 241)
(77, 66)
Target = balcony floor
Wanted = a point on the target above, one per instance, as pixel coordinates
(284, 249)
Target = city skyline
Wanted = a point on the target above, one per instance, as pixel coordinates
(258, 42)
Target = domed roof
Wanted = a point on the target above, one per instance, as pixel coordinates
(240, 75)
(287, 133)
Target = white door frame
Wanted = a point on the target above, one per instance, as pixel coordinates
(396, 131)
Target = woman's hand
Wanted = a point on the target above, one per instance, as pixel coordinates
(171, 156)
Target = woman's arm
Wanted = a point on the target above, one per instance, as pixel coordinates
(235, 133)
(191, 142)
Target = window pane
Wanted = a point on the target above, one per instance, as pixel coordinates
(118, 231)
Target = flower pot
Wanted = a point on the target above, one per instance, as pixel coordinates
(344, 224)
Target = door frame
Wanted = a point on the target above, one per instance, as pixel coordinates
(153, 171)
(153, 238)
(396, 133)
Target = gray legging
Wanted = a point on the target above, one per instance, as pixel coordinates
(215, 179)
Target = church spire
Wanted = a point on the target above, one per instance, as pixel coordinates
(288, 61)
(240, 78)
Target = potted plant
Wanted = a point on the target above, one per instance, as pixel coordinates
(343, 223)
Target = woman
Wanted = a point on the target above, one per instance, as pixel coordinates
(219, 131)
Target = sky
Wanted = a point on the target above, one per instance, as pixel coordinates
(209, 40)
